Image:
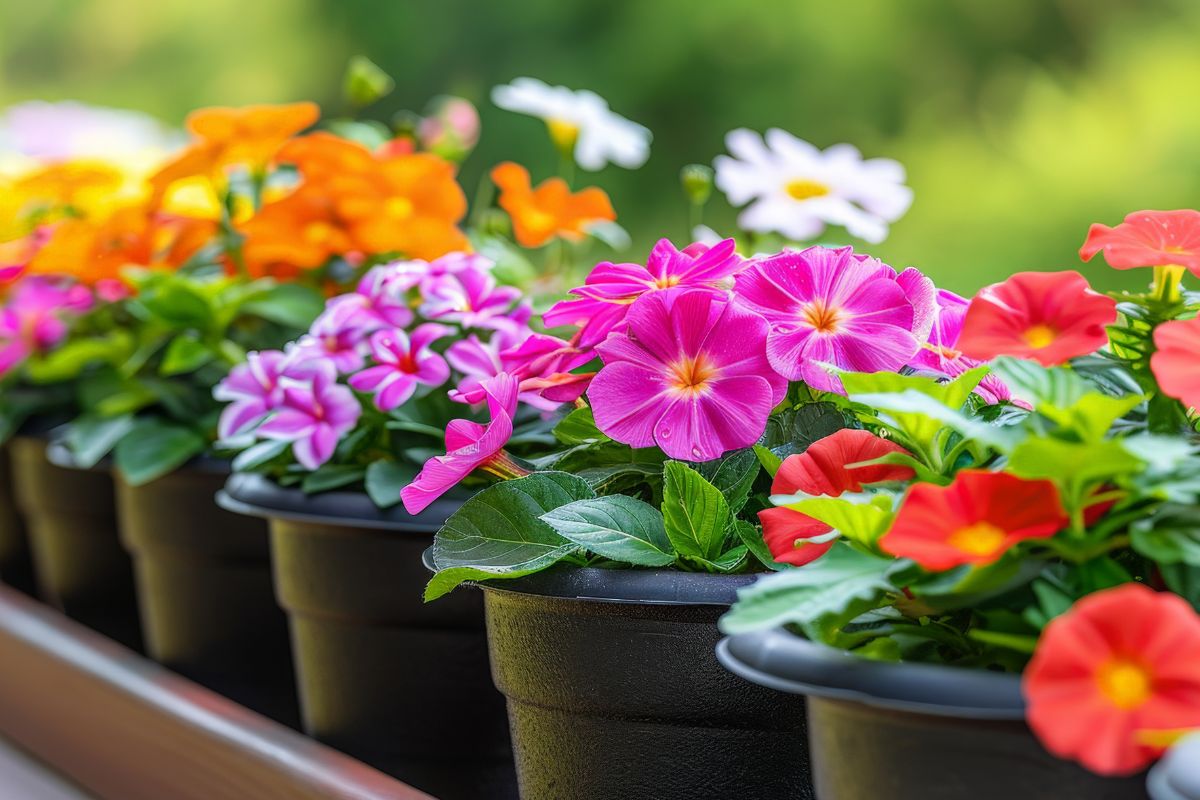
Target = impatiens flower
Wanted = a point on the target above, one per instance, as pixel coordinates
(823, 469)
(580, 123)
(469, 446)
(541, 363)
(601, 303)
(338, 335)
(1174, 362)
(1148, 239)
(796, 190)
(473, 299)
(314, 414)
(974, 520)
(34, 319)
(402, 362)
(691, 376)
(1119, 666)
(835, 308)
(379, 301)
(252, 390)
(550, 210)
(940, 355)
(1049, 317)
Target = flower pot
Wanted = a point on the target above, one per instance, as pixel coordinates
(614, 691)
(381, 675)
(71, 521)
(16, 568)
(880, 729)
(204, 586)
(1177, 776)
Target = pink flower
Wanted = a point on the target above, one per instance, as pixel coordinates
(472, 298)
(541, 363)
(34, 319)
(402, 362)
(835, 308)
(314, 414)
(255, 389)
(690, 376)
(469, 446)
(939, 354)
(606, 295)
(339, 335)
(378, 302)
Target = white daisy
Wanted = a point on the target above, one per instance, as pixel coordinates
(795, 190)
(580, 123)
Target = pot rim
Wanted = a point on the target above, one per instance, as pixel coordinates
(1177, 776)
(257, 495)
(651, 587)
(789, 663)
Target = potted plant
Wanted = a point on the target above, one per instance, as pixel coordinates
(333, 426)
(605, 563)
(1015, 612)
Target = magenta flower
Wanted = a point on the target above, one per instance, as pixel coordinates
(255, 389)
(402, 362)
(940, 355)
(314, 414)
(34, 320)
(602, 302)
(833, 308)
(472, 298)
(541, 363)
(690, 376)
(378, 302)
(470, 446)
(339, 335)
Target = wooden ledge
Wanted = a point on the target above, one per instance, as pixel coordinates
(125, 728)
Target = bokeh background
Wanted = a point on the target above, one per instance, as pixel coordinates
(1020, 122)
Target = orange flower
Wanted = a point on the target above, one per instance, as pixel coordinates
(1118, 667)
(974, 520)
(301, 231)
(252, 134)
(550, 210)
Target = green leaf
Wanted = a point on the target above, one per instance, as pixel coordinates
(1075, 465)
(331, 476)
(617, 527)
(730, 561)
(921, 416)
(1092, 415)
(153, 447)
(619, 477)
(862, 518)
(734, 474)
(259, 454)
(92, 437)
(67, 361)
(499, 533)
(840, 582)
(921, 423)
(1171, 536)
(365, 82)
(579, 427)
(288, 304)
(769, 460)
(1058, 386)
(793, 430)
(177, 303)
(751, 536)
(1183, 580)
(385, 479)
(185, 353)
(695, 512)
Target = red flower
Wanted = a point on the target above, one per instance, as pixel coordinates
(974, 520)
(1148, 239)
(1046, 316)
(1118, 665)
(821, 470)
(1174, 361)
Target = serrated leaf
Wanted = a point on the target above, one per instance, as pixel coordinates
(385, 479)
(694, 511)
(616, 527)
(729, 562)
(751, 536)
(792, 431)
(733, 474)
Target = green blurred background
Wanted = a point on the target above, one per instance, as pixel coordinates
(1020, 122)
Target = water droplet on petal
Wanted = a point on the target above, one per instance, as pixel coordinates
(664, 433)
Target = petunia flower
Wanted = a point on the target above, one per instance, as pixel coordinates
(1174, 361)
(691, 376)
(314, 414)
(580, 123)
(1049, 317)
(1119, 665)
(1148, 239)
(549, 210)
(469, 446)
(600, 304)
(940, 353)
(402, 362)
(795, 190)
(974, 520)
(833, 308)
(823, 469)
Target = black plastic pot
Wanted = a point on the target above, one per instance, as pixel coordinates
(614, 692)
(881, 729)
(382, 676)
(71, 522)
(204, 586)
(1177, 776)
(16, 567)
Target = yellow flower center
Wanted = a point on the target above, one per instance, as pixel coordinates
(398, 208)
(805, 189)
(978, 539)
(319, 232)
(822, 318)
(691, 375)
(1126, 683)
(1040, 335)
(667, 282)
(564, 134)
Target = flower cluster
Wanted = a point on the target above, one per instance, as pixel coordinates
(34, 318)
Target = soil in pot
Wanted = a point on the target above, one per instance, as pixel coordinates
(881, 729)
(70, 518)
(614, 691)
(16, 566)
(205, 591)
(399, 684)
